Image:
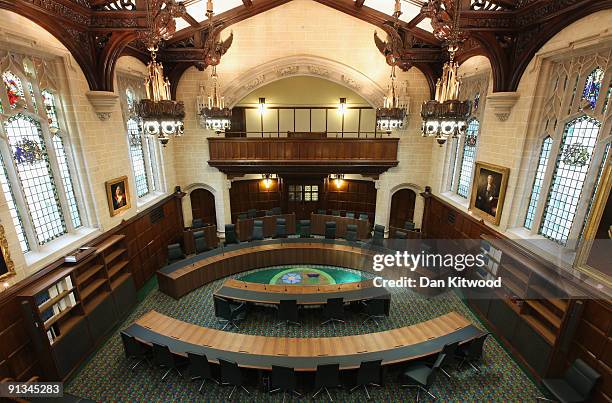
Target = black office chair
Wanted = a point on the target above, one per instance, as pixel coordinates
(400, 235)
(368, 375)
(577, 384)
(363, 216)
(409, 225)
(281, 228)
(163, 358)
(230, 234)
(227, 313)
(333, 311)
(258, 233)
(284, 380)
(251, 213)
(197, 223)
(231, 375)
(321, 211)
(276, 211)
(376, 309)
(288, 312)
(350, 214)
(242, 216)
(423, 376)
(379, 235)
(200, 242)
(336, 213)
(199, 368)
(351, 233)
(175, 253)
(330, 230)
(327, 376)
(450, 353)
(471, 352)
(135, 350)
(269, 213)
(305, 229)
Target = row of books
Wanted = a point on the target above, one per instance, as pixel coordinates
(54, 290)
(65, 303)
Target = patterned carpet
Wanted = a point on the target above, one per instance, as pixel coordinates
(107, 375)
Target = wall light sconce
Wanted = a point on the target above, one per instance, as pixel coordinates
(267, 180)
(342, 107)
(262, 106)
(338, 180)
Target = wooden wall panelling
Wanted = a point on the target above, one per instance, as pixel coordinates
(252, 194)
(353, 195)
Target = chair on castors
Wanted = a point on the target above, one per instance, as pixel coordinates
(175, 253)
(368, 375)
(577, 384)
(321, 211)
(242, 216)
(284, 380)
(350, 214)
(232, 375)
(327, 376)
(351, 233)
(230, 234)
(400, 235)
(200, 242)
(471, 352)
(288, 312)
(333, 311)
(269, 213)
(197, 223)
(409, 225)
(251, 213)
(163, 358)
(330, 230)
(422, 376)
(379, 235)
(375, 308)
(227, 313)
(450, 352)
(281, 228)
(276, 211)
(135, 350)
(258, 233)
(305, 229)
(199, 368)
(363, 216)
(336, 213)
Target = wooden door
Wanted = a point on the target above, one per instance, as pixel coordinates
(402, 207)
(203, 206)
(303, 196)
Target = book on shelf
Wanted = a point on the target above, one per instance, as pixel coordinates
(42, 297)
(53, 291)
(62, 304)
(46, 315)
(56, 309)
(68, 282)
(79, 254)
(72, 299)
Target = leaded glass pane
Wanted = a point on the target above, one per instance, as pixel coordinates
(33, 169)
(577, 145)
(62, 161)
(14, 89)
(607, 100)
(453, 163)
(469, 155)
(10, 201)
(137, 156)
(592, 87)
(537, 182)
(151, 144)
(596, 187)
(49, 101)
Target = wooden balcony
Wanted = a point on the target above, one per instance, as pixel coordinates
(285, 155)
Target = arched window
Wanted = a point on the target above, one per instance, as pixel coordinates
(36, 169)
(468, 157)
(574, 107)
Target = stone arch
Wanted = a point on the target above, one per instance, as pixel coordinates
(419, 203)
(186, 202)
(305, 66)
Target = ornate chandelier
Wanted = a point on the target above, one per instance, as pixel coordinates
(161, 116)
(391, 115)
(214, 115)
(446, 116)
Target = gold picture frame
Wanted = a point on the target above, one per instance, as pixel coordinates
(489, 191)
(7, 267)
(586, 258)
(118, 195)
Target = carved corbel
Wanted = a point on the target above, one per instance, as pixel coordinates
(502, 103)
(103, 103)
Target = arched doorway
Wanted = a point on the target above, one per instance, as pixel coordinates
(402, 207)
(203, 206)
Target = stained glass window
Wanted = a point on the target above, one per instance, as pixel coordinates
(454, 159)
(579, 138)
(597, 180)
(49, 101)
(10, 200)
(60, 151)
(14, 89)
(592, 87)
(537, 182)
(34, 171)
(153, 168)
(137, 157)
(467, 160)
(607, 100)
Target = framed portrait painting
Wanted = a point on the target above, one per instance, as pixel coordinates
(7, 267)
(489, 191)
(118, 195)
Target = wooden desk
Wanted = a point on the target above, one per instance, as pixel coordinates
(245, 291)
(210, 234)
(304, 354)
(244, 228)
(410, 234)
(317, 225)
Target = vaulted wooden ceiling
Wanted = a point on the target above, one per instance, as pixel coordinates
(508, 32)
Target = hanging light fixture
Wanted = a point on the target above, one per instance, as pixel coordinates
(446, 116)
(215, 115)
(261, 106)
(342, 108)
(392, 115)
(160, 116)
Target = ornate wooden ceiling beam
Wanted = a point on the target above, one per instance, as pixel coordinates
(192, 21)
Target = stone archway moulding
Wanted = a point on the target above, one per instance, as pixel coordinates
(304, 65)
